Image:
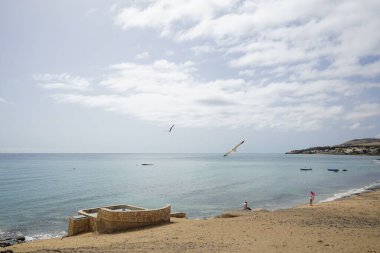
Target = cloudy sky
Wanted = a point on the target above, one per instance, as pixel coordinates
(103, 76)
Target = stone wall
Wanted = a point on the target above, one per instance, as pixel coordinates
(113, 218)
(78, 224)
(109, 221)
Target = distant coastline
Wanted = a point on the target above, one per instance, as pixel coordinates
(366, 146)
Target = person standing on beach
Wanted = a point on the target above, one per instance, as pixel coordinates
(245, 206)
(312, 195)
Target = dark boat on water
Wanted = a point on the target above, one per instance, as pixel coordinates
(305, 169)
(335, 170)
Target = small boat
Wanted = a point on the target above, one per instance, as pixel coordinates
(145, 164)
(335, 170)
(344, 170)
(305, 169)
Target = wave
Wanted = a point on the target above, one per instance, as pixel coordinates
(43, 236)
(341, 195)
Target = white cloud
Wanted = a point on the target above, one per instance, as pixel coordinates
(166, 15)
(156, 77)
(290, 64)
(355, 126)
(327, 39)
(143, 55)
(165, 91)
(359, 126)
(62, 81)
(108, 102)
(364, 111)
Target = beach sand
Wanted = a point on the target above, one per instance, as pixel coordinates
(348, 225)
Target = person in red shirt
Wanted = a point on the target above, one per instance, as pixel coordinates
(312, 195)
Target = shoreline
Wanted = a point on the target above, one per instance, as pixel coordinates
(375, 186)
(334, 197)
(346, 225)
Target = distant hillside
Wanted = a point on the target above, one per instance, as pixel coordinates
(365, 141)
(366, 146)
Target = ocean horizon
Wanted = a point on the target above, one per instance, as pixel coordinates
(39, 191)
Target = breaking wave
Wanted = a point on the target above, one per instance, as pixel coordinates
(341, 195)
(43, 236)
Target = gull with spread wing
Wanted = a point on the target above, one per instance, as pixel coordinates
(233, 149)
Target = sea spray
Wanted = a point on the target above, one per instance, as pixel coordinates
(352, 192)
(43, 236)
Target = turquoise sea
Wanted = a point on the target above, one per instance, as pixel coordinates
(39, 191)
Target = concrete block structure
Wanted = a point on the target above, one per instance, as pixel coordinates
(116, 218)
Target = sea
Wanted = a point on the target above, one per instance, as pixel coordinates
(38, 192)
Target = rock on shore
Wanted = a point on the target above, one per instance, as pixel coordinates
(10, 238)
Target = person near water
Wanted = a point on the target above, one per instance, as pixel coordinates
(245, 206)
(312, 195)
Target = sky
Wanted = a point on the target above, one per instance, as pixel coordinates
(114, 76)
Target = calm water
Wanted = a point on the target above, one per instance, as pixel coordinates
(39, 191)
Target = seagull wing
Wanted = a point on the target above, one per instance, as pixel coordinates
(226, 154)
(233, 149)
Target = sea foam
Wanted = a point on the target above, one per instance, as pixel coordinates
(351, 192)
(43, 236)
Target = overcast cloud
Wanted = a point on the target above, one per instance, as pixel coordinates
(95, 76)
(296, 65)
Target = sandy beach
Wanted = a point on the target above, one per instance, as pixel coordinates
(347, 225)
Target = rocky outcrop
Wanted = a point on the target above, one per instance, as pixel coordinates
(10, 238)
(354, 147)
(178, 215)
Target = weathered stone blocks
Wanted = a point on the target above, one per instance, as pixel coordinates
(116, 218)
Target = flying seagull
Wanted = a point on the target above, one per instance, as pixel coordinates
(233, 149)
(171, 128)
